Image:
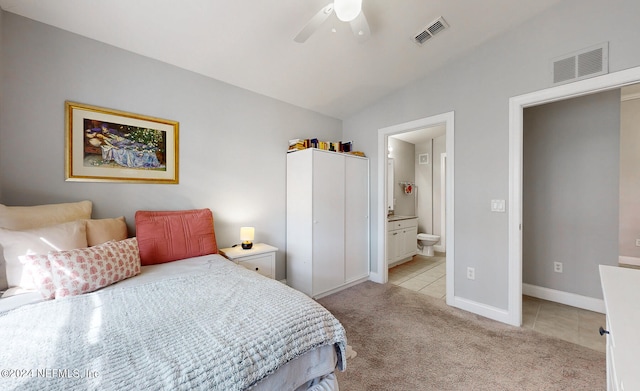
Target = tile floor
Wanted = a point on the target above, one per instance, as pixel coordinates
(565, 322)
(423, 274)
(427, 276)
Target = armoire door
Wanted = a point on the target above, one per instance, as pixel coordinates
(356, 218)
(328, 221)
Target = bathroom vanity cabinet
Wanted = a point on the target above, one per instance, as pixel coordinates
(327, 221)
(401, 239)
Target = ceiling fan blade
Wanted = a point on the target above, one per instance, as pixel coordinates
(314, 23)
(360, 27)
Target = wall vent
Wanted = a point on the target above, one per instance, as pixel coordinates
(583, 64)
(430, 31)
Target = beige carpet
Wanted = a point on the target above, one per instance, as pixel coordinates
(409, 341)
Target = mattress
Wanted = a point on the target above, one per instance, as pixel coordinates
(312, 370)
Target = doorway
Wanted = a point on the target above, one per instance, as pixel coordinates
(516, 107)
(446, 119)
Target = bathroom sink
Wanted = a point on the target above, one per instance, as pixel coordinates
(396, 218)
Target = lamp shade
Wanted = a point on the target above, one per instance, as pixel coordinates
(247, 233)
(347, 10)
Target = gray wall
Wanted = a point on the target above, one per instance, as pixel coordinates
(232, 142)
(439, 147)
(571, 154)
(428, 180)
(403, 171)
(630, 179)
(478, 87)
(424, 181)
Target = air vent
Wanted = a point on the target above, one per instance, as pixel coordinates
(583, 64)
(430, 31)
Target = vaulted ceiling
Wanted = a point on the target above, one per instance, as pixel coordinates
(249, 43)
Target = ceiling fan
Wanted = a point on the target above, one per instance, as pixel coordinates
(347, 11)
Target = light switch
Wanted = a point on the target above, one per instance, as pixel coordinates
(497, 205)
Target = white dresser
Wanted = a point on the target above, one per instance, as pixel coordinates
(621, 288)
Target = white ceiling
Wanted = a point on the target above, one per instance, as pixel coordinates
(249, 43)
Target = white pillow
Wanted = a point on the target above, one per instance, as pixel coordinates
(29, 217)
(17, 244)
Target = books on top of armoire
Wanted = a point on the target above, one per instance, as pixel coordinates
(298, 144)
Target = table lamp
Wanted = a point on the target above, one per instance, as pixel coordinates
(246, 235)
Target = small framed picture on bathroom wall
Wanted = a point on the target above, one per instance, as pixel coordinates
(423, 158)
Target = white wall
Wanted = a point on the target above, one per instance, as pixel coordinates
(477, 88)
(232, 142)
(630, 180)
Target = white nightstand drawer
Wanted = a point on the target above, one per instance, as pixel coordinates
(260, 258)
(259, 263)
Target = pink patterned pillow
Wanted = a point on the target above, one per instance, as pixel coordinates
(88, 269)
(39, 270)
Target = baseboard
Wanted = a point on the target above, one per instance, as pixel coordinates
(343, 287)
(376, 277)
(487, 311)
(578, 301)
(400, 262)
(440, 248)
(634, 261)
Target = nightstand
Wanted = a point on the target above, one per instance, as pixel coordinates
(260, 258)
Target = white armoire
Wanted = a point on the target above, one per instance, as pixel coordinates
(327, 221)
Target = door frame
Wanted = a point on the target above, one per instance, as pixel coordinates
(517, 104)
(382, 275)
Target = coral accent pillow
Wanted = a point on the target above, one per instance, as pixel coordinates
(17, 244)
(103, 230)
(85, 270)
(38, 269)
(28, 217)
(165, 236)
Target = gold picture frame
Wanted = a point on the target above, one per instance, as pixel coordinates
(106, 145)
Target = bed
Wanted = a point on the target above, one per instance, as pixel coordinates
(198, 322)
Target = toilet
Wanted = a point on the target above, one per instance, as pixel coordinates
(425, 244)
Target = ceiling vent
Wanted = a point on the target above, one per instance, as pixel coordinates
(430, 31)
(583, 64)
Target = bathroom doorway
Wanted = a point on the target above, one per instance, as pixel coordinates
(418, 159)
(446, 121)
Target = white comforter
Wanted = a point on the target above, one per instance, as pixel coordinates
(225, 328)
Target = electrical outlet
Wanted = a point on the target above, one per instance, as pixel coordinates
(557, 267)
(637, 242)
(471, 273)
(497, 205)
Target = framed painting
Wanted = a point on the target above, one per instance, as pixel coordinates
(105, 145)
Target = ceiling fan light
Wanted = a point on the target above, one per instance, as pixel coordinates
(347, 10)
